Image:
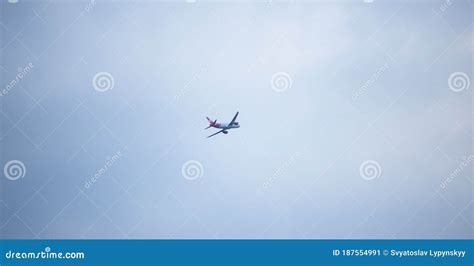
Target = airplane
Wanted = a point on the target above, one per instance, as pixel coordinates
(223, 126)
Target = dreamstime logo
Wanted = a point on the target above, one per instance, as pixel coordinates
(466, 161)
(280, 170)
(103, 81)
(281, 81)
(12, 1)
(447, 3)
(371, 81)
(370, 170)
(192, 170)
(90, 5)
(111, 160)
(14, 170)
(22, 71)
(459, 81)
(186, 88)
(47, 253)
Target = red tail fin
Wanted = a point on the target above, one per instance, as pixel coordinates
(211, 122)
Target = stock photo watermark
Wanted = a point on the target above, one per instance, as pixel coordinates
(281, 81)
(103, 81)
(445, 5)
(90, 6)
(370, 82)
(459, 81)
(280, 170)
(187, 86)
(99, 173)
(192, 170)
(43, 254)
(465, 162)
(370, 170)
(14, 170)
(22, 72)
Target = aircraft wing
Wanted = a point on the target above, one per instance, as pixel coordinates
(215, 133)
(233, 120)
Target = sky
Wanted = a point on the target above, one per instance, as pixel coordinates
(356, 119)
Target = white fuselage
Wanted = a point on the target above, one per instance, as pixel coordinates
(227, 126)
(224, 127)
